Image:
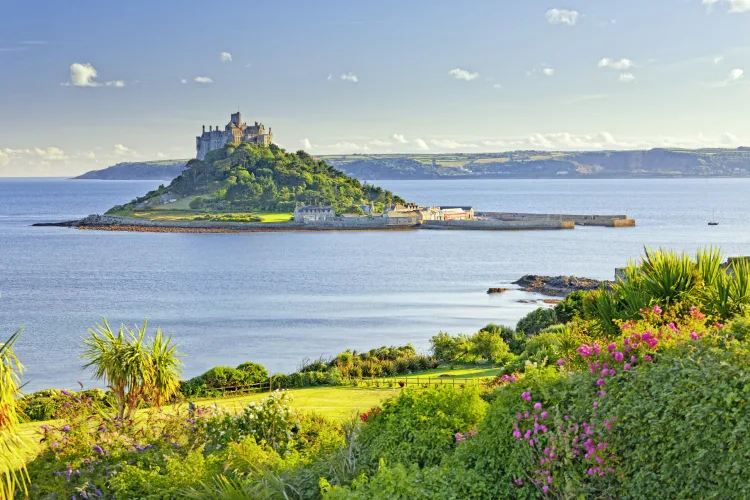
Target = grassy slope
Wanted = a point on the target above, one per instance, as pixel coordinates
(337, 403)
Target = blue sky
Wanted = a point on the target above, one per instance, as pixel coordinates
(384, 76)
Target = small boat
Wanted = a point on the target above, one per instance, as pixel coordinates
(713, 221)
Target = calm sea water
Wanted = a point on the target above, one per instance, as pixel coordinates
(277, 298)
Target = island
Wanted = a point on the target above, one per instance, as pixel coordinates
(138, 171)
(241, 181)
(251, 187)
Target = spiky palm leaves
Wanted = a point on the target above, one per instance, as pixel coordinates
(12, 473)
(132, 367)
(667, 279)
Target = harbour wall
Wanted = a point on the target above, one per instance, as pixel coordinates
(498, 225)
(578, 219)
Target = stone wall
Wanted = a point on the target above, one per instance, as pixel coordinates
(498, 225)
(579, 219)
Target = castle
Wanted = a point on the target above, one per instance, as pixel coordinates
(235, 131)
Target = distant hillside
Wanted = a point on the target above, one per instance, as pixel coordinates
(146, 170)
(251, 178)
(546, 164)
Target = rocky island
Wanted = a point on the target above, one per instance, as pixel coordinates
(241, 181)
(558, 286)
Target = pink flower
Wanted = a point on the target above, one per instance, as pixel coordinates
(619, 357)
(627, 367)
(537, 406)
(531, 442)
(694, 336)
(657, 310)
(526, 396)
(719, 325)
(550, 480)
(545, 414)
(545, 488)
(600, 382)
(596, 404)
(612, 371)
(672, 327)
(560, 361)
(611, 347)
(632, 359)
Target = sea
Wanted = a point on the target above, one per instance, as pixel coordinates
(282, 298)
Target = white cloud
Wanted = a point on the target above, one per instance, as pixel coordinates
(349, 77)
(121, 150)
(548, 71)
(51, 153)
(620, 65)
(90, 155)
(306, 144)
(330, 77)
(462, 74)
(450, 144)
(225, 57)
(718, 59)
(84, 75)
(736, 75)
(497, 86)
(202, 79)
(627, 78)
(421, 145)
(735, 6)
(183, 81)
(562, 16)
(4, 158)
(380, 143)
(399, 138)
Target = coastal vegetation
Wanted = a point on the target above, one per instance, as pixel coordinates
(659, 162)
(645, 396)
(244, 179)
(147, 170)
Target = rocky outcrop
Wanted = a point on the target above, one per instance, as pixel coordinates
(497, 290)
(558, 286)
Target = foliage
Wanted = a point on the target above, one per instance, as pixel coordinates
(47, 404)
(249, 177)
(224, 377)
(420, 426)
(536, 321)
(670, 280)
(408, 482)
(135, 369)
(492, 343)
(570, 308)
(13, 475)
(271, 422)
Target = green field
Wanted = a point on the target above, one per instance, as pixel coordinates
(168, 213)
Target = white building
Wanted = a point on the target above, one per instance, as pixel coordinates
(313, 213)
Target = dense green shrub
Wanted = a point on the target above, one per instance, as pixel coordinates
(401, 482)
(419, 426)
(570, 308)
(536, 321)
(46, 404)
(683, 424)
(254, 373)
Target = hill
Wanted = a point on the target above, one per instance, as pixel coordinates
(250, 178)
(137, 171)
(549, 164)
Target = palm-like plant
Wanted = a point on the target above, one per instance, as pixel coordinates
(132, 367)
(13, 475)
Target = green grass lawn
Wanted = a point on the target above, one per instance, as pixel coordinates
(170, 214)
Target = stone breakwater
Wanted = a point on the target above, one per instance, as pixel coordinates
(558, 286)
(577, 219)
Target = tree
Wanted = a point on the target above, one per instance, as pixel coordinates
(133, 368)
(536, 321)
(12, 472)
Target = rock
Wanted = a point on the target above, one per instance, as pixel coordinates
(558, 286)
(497, 290)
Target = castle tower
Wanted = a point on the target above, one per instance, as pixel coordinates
(237, 118)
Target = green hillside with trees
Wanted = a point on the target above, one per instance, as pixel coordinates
(248, 178)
